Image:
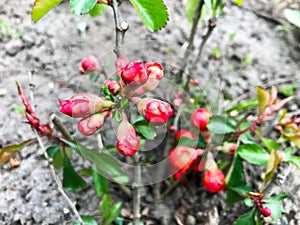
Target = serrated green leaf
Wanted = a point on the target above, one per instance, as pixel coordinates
(246, 219)
(105, 164)
(152, 12)
(263, 99)
(79, 7)
(220, 125)
(253, 153)
(71, 180)
(293, 16)
(101, 184)
(113, 213)
(88, 220)
(97, 10)
(42, 7)
(9, 151)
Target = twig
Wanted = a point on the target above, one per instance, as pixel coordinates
(121, 27)
(196, 18)
(137, 193)
(57, 180)
(52, 169)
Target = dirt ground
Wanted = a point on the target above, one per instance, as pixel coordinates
(50, 52)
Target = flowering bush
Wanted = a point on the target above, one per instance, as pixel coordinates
(214, 146)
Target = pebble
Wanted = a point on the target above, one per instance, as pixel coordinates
(14, 46)
(190, 220)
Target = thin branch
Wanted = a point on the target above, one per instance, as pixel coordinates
(137, 193)
(121, 27)
(60, 126)
(57, 180)
(196, 18)
(52, 169)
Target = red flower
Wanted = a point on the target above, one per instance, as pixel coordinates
(200, 118)
(155, 74)
(89, 64)
(134, 72)
(213, 180)
(178, 175)
(91, 124)
(82, 105)
(128, 143)
(182, 157)
(155, 111)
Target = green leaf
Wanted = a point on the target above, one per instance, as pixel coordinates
(271, 167)
(86, 172)
(191, 8)
(246, 219)
(185, 141)
(101, 184)
(88, 220)
(220, 125)
(238, 2)
(42, 7)
(235, 181)
(71, 180)
(98, 9)
(104, 163)
(117, 115)
(248, 202)
(104, 204)
(10, 150)
(293, 16)
(146, 129)
(253, 153)
(19, 109)
(271, 144)
(79, 7)
(113, 213)
(275, 205)
(152, 12)
(247, 60)
(245, 105)
(295, 160)
(56, 153)
(263, 99)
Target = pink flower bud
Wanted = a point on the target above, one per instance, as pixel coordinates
(91, 124)
(214, 180)
(114, 87)
(265, 211)
(194, 82)
(121, 62)
(155, 111)
(280, 155)
(200, 118)
(185, 133)
(134, 72)
(84, 104)
(128, 143)
(89, 64)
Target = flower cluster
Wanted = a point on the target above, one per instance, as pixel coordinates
(134, 79)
